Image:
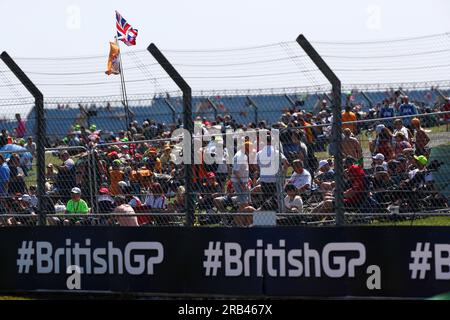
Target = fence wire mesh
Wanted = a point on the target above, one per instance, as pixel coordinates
(395, 141)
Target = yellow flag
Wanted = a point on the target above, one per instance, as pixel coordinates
(113, 61)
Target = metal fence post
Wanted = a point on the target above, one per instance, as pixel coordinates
(40, 129)
(188, 124)
(255, 106)
(172, 109)
(337, 124)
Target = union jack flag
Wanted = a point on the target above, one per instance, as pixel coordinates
(125, 32)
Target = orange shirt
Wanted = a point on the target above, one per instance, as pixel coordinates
(347, 117)
(116, 176)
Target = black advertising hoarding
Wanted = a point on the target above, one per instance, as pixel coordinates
(276, 262)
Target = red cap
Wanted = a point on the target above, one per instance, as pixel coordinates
(104, 191)
(113, 154)
(211, 175)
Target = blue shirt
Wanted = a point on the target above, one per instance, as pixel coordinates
(387, 112)
(407, 110)
(4, 178)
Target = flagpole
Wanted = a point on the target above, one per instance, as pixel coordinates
(123, 89)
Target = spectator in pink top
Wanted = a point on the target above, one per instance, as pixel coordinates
(20, 130)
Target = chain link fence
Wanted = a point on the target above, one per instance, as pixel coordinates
(396, 163)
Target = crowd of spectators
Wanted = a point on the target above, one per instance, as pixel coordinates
(136, 172)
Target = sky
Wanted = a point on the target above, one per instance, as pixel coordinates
(49, 28)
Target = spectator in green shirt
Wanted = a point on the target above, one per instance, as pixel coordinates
(76, 205)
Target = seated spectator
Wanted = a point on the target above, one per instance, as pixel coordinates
(116, 175)
(76, 206)
(122, 208)
(155, 199)
(178, 205)
(301, 178)
(401, 143)
(105, 201)
(210, 190)
(378, 160)
(354, 197)
(292, 202)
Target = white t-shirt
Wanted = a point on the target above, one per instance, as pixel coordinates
(69, 164)
(240, 166)
(300, 180)
(296, 202)
(269, 162)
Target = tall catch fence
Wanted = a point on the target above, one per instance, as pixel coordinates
(276, 150)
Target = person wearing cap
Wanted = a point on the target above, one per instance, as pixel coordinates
(401, 143)
(382, 180)
(167, 155)
(407, 109)
(210, 190)
(379, 160)
(105, 201)
(153, 162)
(399, 127)
(324, 173)
(76, 205)
(383, 142)
(421, 139)
(350, 146)
(115, 176)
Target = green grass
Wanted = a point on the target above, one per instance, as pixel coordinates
(431, 222)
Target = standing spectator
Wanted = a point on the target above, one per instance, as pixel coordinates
(270, 161)
(349, 116)
(122, 208)
(66, 177)
(387, 111)
(351, 146)
(4, 177)
(399, 127)
(421, 138)
(239, 178)
(20, 130)
(407, 109)
(16, 179)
